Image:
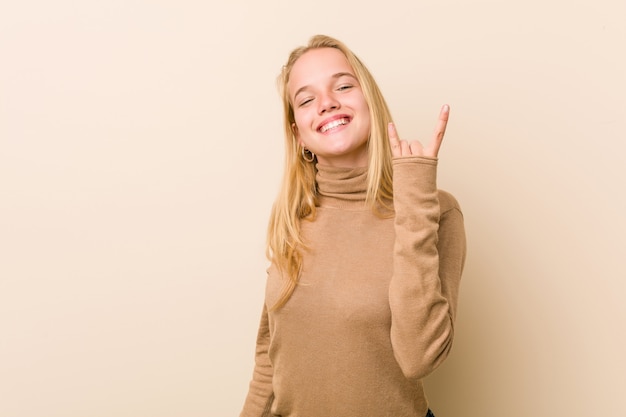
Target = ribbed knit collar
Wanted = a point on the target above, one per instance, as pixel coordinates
(341, 187)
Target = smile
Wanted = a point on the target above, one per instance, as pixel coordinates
(334, 124)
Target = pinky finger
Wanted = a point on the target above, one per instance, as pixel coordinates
(394, 141)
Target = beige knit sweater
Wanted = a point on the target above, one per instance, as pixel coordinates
(374, 311)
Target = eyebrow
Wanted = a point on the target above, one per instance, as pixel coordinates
(335, 76)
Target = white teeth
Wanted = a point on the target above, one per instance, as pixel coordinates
(333, 124)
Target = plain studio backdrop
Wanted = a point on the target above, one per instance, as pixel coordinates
(141, 150)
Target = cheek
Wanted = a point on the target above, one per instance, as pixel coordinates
(365, 111)
(301, 121)
(360, 105)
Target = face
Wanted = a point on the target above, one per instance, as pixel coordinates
(331, 115)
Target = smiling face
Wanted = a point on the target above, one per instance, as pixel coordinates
(331, 114)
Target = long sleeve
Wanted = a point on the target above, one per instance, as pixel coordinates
(428, 258)
(260, 394)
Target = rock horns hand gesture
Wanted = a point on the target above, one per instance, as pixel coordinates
(401, 148)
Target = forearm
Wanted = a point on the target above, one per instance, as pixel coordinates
(260, 393)
(422, 314)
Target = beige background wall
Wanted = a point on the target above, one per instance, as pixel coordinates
(140, 152)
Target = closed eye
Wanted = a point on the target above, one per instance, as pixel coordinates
(305, 102)
(344, 87)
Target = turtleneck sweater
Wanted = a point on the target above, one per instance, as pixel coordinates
(374, 309)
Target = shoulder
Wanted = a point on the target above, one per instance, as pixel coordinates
(447, 202)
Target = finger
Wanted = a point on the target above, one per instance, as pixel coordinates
(394, 141)
(404, 146)
(440, 131)
(416, 148)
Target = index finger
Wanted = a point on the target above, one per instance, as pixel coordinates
(440, 129)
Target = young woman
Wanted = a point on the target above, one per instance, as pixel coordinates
(366, 254)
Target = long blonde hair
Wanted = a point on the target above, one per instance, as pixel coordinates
(298, 193)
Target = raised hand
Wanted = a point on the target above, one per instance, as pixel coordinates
(401, 148)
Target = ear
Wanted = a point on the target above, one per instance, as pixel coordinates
(296, 133)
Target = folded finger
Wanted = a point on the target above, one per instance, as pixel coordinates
(404, 146)
(416, 148)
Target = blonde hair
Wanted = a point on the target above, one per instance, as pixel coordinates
(298, 193)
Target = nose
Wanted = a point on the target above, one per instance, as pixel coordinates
(328, 103)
